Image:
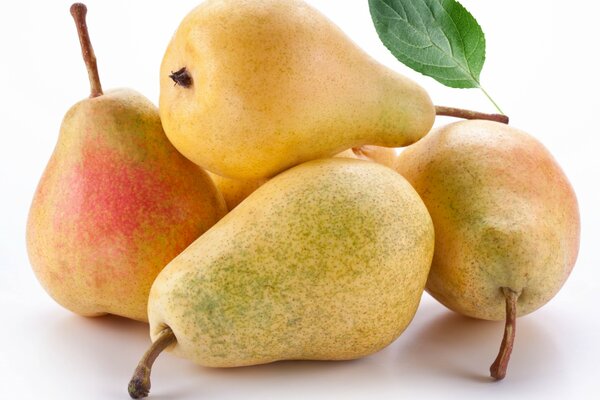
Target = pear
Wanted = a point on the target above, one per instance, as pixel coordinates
(116, 202)
(275, 83)
(234, 191)
(326, 261)
(506, 221)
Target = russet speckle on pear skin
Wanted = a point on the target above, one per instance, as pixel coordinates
(326, 261)
(505, 215)
(274, 84)
(116, 203)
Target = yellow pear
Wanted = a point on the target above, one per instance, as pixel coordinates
(326, 261)
(506, 221)
(275, 83)
(234, 191)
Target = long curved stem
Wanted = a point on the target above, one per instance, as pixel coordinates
(498, 368)
(79, 11)
(139, 385)
(468, 114)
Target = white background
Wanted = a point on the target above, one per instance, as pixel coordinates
(542, 68)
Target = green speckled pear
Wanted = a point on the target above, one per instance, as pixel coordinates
(326, 261)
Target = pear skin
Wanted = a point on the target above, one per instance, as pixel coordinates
(506, 220)
(234, 191)
(382, 155)
(326, 261)
(115, 204)
(276, 83)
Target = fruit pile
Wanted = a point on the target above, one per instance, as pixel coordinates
(310, 238)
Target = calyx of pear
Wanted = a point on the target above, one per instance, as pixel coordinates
(250, 88)
(116, 201)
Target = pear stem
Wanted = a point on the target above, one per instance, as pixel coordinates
(498, 368)
(79, 11)
(468, 114)
(139, 385)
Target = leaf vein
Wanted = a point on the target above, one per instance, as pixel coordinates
(432, 36)
(460, 36)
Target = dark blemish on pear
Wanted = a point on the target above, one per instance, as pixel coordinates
(181, 78)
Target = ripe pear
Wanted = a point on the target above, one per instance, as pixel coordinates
(506, 221)
(116, 202)
(234, 191)
(276, 83)
(326, 261)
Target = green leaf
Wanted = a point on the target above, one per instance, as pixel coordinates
(438, 38)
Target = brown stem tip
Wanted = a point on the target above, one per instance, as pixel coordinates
(79, 11)
(468, 114)
(498, 368)
(181, 78)
(139, 385)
